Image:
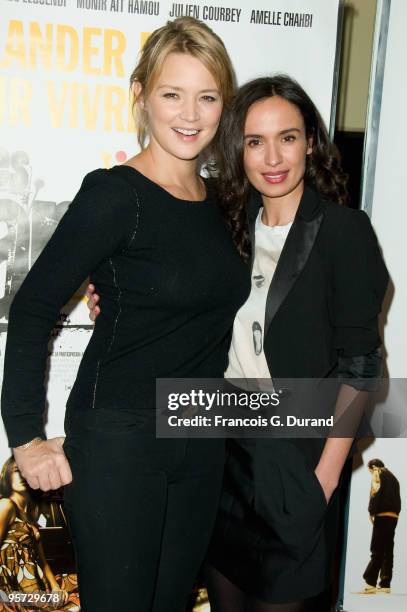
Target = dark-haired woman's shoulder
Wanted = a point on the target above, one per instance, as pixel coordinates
(350, 244)
(345, 223)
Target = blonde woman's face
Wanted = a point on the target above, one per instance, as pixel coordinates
(183, 107)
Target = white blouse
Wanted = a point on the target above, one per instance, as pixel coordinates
(246, 354)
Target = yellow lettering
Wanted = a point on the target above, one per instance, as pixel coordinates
(21, 94)
(131, 124)
(114, 108)
(74, 106)
(113, 54)
(143, 38)
(67, 58)
(59, 46)
(81, 105)
(57, 106)
(107, 159)
(89, 51)
(38, 44)
(3, 103)
(91, 108)
(15, 48)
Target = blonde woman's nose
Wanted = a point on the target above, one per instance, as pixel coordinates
(189, 110)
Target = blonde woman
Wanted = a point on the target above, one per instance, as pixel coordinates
(152, 238)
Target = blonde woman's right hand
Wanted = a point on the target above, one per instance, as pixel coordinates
(93, 299)
(44, 464)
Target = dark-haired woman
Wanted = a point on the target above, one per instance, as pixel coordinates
(318, 281)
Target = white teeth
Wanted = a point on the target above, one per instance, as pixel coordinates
(186, 132)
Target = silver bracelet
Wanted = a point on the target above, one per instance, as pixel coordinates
(30, 443)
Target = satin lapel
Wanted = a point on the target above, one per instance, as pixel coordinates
(293, 258)
(252, 211)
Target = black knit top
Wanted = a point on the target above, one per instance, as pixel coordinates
(170, 281)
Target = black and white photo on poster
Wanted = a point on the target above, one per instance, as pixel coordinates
(26, 222)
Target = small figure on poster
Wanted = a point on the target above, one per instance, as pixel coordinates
(384, 509)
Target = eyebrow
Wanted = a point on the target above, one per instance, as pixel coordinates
(180, 88)
(281, 133)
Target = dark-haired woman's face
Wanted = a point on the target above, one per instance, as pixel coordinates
(275, 148)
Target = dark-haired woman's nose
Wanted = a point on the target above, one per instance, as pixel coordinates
(272, 156)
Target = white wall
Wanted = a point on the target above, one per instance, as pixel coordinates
(389, 216)
(389, 212)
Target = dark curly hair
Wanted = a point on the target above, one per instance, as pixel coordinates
(323, 170)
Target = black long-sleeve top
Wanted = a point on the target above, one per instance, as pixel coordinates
(170, 281)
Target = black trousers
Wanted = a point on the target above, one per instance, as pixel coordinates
(140, 510)
(275, 535)
(381, 548)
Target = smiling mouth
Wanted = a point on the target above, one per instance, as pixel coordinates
(275, 177)
(186, 132)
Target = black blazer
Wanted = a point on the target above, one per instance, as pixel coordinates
(326, 294)
(323, 304)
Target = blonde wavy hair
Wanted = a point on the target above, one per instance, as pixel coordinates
(183, 35)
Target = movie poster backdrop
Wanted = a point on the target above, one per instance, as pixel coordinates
(65, 110)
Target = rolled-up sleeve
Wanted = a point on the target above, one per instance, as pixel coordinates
(360, 282)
